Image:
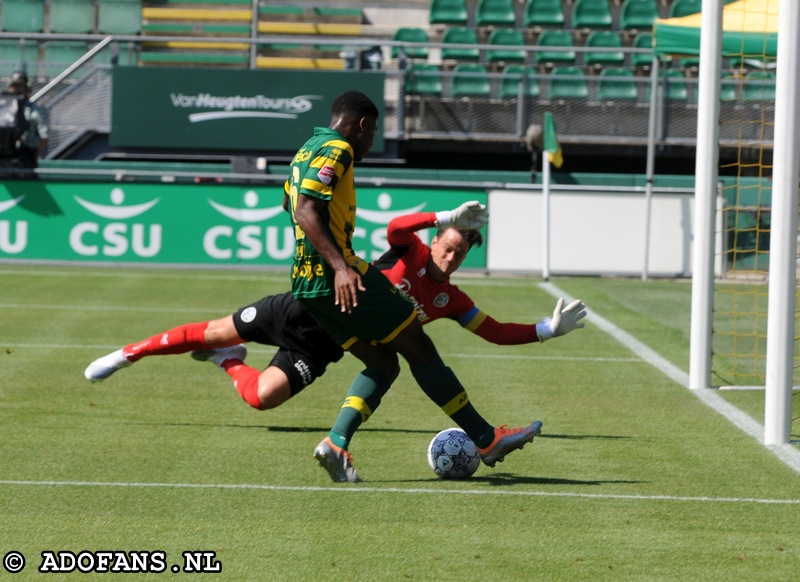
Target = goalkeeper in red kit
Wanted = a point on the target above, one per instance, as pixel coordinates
(305, 350)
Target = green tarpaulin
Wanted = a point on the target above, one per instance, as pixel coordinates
(750, 29)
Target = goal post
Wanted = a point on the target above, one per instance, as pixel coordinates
(783, 247)
(742, 328)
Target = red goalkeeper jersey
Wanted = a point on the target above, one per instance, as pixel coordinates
(405, 264)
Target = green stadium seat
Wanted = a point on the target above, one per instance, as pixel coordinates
(460, 35)
(470, 80)
(15, 57)
(126, 53)
(568, 83)
(759, 86)
(72, 16)
(23, 15)
(591, 14)
(558, 39)
(604, 39)
(684, 8)
(512, 78)
(508, 38)
(60, 54)
(728, 87)
(411, 34)
(638, 14)
(119, 16)
(495, 13)
(448, 12)
(675, 88)
(423, 79)
(543, 14)
(196, 58)
(642, 60)
(616, 84)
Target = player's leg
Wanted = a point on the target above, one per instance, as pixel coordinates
(363, 398)
(288, 373)
(185, 338)
(365, 393)
(442, 386)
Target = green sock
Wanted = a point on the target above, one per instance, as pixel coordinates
(440, 384)
(363, 398)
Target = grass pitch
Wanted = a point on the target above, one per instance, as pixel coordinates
(633, 477)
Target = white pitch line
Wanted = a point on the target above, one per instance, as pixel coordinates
(788, 454)
(411, 491)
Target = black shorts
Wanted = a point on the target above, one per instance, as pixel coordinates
(305, 350)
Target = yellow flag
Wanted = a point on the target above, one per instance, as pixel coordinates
(551, 146)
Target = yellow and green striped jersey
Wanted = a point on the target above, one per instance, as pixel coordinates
(323, 168)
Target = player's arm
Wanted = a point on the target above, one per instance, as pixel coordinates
(402, 230)
(564, 320)
(503, 334)
(347, 281)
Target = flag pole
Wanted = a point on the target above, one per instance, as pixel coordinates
(546, 217)
(552, 155)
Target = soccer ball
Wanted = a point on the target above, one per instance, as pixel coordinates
(453, 455)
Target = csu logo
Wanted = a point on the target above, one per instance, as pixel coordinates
(250, 239)
(17, 244)
(115, 238)
(376, 238)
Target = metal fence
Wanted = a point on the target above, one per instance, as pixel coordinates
(484, 101)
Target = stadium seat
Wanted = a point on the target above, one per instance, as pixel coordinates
(23, 15)
(423, 79)
(591, 14)
(495, 13)
(411, 34)
(460, 35)
(568, 83)
(675, 88)
(119, 16)
(641, 41)
(638, 14)
(508, 38)
(759, 86)
(728, 87)
(543, 14)
(604, 39)
(72, 16)
(448, 12)
(615, 84)
(512, 79)
(684, 8)
(14, 57)
(126, 53)
(558, 39)
(60, 54)
(470, 80)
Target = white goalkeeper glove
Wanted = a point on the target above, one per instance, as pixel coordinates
(470, 215)
(564, 320)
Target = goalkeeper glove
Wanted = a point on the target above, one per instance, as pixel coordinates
(564, 320)
(470, 215)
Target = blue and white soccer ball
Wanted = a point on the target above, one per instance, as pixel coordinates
(453, 455)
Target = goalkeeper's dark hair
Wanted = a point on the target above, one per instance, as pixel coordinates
(473, 237)
(354, 103)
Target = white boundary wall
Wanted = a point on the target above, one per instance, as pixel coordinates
(594, 232)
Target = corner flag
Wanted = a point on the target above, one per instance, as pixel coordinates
(551, 146)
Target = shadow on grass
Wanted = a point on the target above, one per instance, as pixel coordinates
(506, 479)
(302, 429)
